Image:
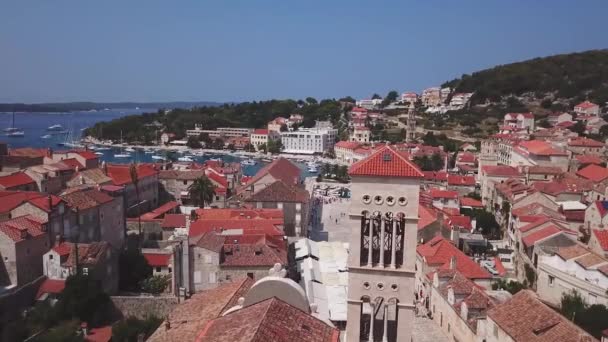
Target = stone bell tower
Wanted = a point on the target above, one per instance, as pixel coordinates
(383, 219)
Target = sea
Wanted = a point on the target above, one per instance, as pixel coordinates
(35, 127)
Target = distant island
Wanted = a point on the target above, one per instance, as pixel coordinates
(61, 107)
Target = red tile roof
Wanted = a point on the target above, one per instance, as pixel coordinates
(602, 237)
(593, 172)
(470, 202)
(426, 216)
(174, 221)
(160, 211)
(157, 259)
(43, 202)
(63, 248)
(542, 148)
(459, 221)
(281, 169)
(280, 192)
(437, 176)
(86, 199)
(260, 131)
(457, 180)
(9, 200)
(585, 142)
(121, 175)
(217, 179)
(29, 152)
(254, 250)
(500, 268)
(87, 155)
(349, 145)
(437, 193)
(500, 171)
(525, 318)
(589, 159)
(269, 320)
(542, 234)
(73, 164)
(585, 105)
(466, 157)
(386, 162)
(438, 252)
(51, 286)
(252, 226)
(101, 334)
(15, 180)
(22, 227)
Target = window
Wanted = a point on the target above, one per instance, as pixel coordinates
(185, 182)
(212, 278)
(158, 269)
(228, 277)
(51, 257)
(551, 280)
(250, 275)
(449, 327)
(208, 259)
(495, 330)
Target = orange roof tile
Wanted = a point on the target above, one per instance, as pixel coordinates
(386, 162)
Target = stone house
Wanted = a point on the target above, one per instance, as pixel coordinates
(490, 175)
(95, 216)
(161, 260)
(86, 158)
(205, 260)
(97, 260)
(23, 241)
(293, 200)
(586, 146)
(175, 184)
(90, 177)
(596, 214)
(49, 209)
(587, 108)
(50, 178)
(280, 169)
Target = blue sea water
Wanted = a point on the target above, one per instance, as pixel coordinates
(35, 126)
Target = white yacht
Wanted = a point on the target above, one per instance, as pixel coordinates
(46, 136)
(56, 127)
(129, 149)
(185, 159)
(155, 157)
(313, 169)
(122, 154)
(248, 162)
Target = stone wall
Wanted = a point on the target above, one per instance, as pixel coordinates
(142, 306)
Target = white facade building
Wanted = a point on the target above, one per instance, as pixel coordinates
(318, 139)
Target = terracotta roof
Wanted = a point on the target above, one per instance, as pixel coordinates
(589, 159)
(459, 221)
(281, 169)
(210, 241)
(386, 162)
(9, 200)
(280, 192)
(46, 202)
(590, 260)
(121, 175)
(15, 180)
(86, 199)
(585, 142)
(86, 154)
(160, 211)
(349, 145)
(52, 286)
(219, 180)
(29, 152)
(466, 157)
(602, 237)
(593, 172)
(541, 234)
(101, 334)
(551, 170)
(73, 164)
(426, 216)
(437, 193)
(63, 248)
(190, 317)
(88, 253)
(260, 131)
(157, 259)
(525, 318)
(94, 175)
(22, 227)
(470, 202)
(174, 221)
(437, 176)
(269, 320)
(439, 251)
(585, 105)
(501, 171)
(253, 226)
(571, 252)
(540, 147)
(253, 250)
(461, 180)
(565, 124)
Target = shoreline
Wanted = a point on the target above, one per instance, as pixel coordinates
(257, 155)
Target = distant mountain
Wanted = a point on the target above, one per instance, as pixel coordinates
(84, 106)
(574, 76)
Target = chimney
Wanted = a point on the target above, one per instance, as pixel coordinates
(58, 240)
(50, 202)
(453, 263)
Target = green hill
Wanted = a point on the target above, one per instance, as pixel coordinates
(574, 76)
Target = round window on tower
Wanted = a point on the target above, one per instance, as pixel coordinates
(380, 286)
(402, 201)
(366, 285)
(394, 287)
(378, 199)
(367, 199)
(390, 200)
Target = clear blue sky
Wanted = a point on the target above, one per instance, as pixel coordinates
(236, 50)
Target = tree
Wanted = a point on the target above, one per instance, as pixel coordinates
(511, 286)
(578, 127)
(217, 144)
(376, 97)
(193, 142)
(437, 162)
(249, 147)
(129, 329)
(474, 195)
(263, 148)
(133, 268)
(347, 99)
(546, 103)
(135, 180)
(204, 137)
(487, 223)
(202, 191)
(284, 128)
(84, 299)
(311, 101)
(155, 284)
(231, 147)
(390, 98)
(544, 123)
(275, 146)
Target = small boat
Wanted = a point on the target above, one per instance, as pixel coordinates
(99, 153)
(267, 160)
(103, 148)
(148, 151)
(216, 159)
(16, 134)
(122, 155)
(46, 136)
(313, 169)
(248, 162)
(129, 149)
(185, 159)
(13, 129)
(57, 127)
(158, 158)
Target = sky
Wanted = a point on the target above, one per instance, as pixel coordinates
(242, 50)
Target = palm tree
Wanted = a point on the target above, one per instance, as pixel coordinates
(135, 181)
(202, 191)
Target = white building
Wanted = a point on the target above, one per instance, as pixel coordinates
(318, 139)
(587, 109)
(431, 97)
(459, 100)
(221, 132)
(522, 121)
(368, 104)
(360, 134)
(573, 268)
(409, 97)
